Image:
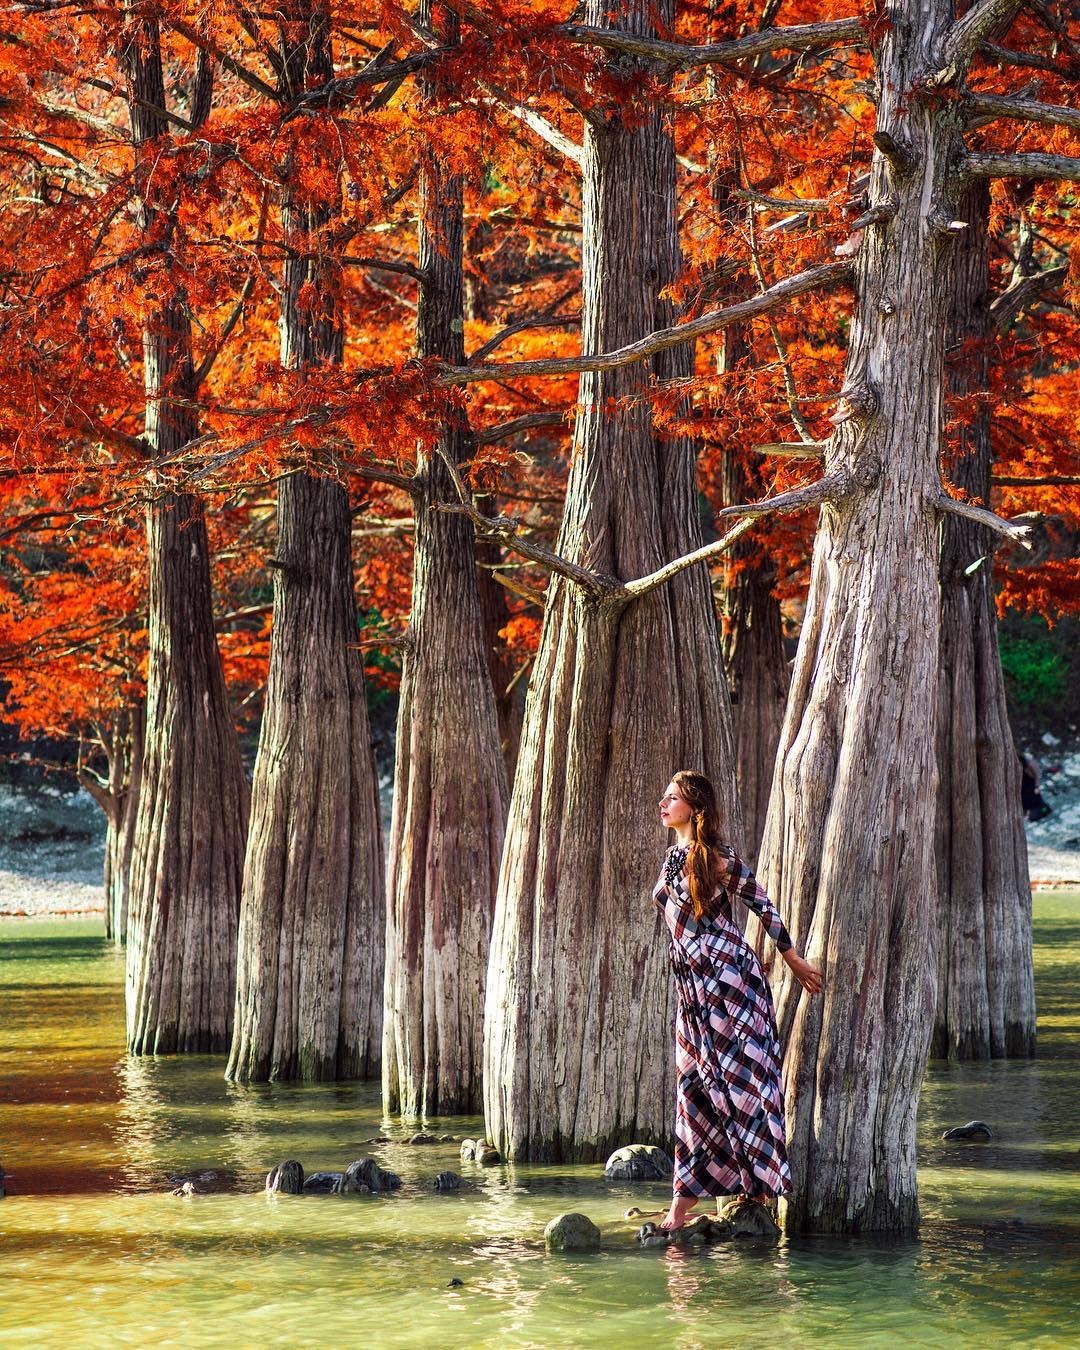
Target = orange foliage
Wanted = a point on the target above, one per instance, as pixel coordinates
(78, 274)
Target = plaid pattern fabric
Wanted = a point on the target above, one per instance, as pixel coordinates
(729, 1109)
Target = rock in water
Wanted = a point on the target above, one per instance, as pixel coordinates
(366, 1175)
(468, 1150)
(323, 1183)
(287, 1178)
(651, 1236)
(747, 1219)
(486, 1154)
(639, 1162)
(974, 1129)
(572, 1233)
(422, 1138)
(447, 1181)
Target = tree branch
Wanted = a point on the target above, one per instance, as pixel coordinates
(536, 122)
(504, 430)
(1029, 164)
(996, 105)
(504, 530)
(1017, 534)
(814, 278)
(798, 499)
(405, 269)
(237, 68)
(794, 38)
(523, 325)
(1020, 292)
(1006, 56)
(965, 36)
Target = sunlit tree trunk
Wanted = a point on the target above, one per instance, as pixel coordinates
(192, 803)
(309, 979)
(450, 788)
(848, 851)
(125, 756)
(579, 994)
(751, 627)
(986, 993)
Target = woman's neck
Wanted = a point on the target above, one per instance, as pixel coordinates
(685, 837)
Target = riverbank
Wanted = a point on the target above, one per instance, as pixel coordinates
(28, 897)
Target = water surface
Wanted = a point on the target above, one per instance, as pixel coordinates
(96, 1251)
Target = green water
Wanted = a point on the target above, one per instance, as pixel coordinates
(95, 1251)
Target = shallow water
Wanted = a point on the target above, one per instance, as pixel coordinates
(95, 1251)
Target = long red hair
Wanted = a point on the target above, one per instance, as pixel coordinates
(706, 863)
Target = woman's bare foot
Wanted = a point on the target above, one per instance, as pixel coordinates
(681, 1206)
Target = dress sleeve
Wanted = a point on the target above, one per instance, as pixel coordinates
(745, 887)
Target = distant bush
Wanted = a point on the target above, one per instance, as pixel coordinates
(1035, 670)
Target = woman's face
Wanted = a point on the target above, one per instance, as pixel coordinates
(674, 811)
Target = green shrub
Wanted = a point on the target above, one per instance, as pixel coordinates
(1035, 674)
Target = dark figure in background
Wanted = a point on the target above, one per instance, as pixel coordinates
(1035, 808)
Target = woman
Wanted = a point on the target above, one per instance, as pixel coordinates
(729, 1108)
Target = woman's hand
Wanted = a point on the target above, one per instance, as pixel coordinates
(808, 975)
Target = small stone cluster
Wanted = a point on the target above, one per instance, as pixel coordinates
(481, 1151)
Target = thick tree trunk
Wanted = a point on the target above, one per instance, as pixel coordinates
(753, 645)
(578, 1019)
(986, 994)
(751, 627)
(309, 977)
(450, 787)
(848, 852)
(192, 806)
(509, 691)
(125, 755)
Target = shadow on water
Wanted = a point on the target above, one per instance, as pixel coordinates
(102, 1253)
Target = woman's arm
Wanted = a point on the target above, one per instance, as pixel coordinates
(746, 887)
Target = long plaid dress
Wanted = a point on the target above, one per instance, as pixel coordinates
(729, 1109)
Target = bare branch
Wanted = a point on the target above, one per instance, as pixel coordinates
(989, 106)
(1021, 292)
(1017, 534)
(966, 35)
(814, 278)
(792, 449)
(1007, 57)
(1029, 164)
(504, 530)
(237, 68)
(375, 474)
(523, 325)
(794, 38)
(504, 430)
(766, 203)
(798, 499)
(539, 124)
(405, 269)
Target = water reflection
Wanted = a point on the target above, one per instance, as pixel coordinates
(117, 1260)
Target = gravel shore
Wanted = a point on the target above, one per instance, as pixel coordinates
(29, 897)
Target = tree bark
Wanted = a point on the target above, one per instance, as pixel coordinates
(495, 615)
(192, 803)
(125, 757)
(757, 673)
(309, 976)
(450, 787)
(986, 994)
(579, 993)
(848, 852)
